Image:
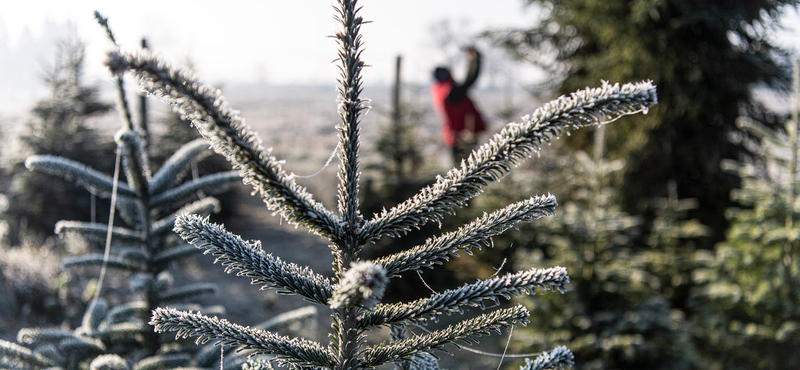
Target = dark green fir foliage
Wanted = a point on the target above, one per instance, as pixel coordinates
(58, 126)
(144, 247)
(353, 294)
(749, 312)
(615, 316)
(705, 56)
(671, 244)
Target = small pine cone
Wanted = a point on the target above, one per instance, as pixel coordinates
(363, 285)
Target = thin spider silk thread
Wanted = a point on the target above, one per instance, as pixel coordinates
(195, 176)
(333, 154)
(107, 251)
(510, 333)
(484, 353)
(426, 283)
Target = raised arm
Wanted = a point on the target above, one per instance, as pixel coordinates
(459, 91)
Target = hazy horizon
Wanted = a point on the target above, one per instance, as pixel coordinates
(274, 44)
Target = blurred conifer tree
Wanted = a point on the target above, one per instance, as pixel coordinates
(619, 315)
(58, 126)
(705, 56)
(748, 293)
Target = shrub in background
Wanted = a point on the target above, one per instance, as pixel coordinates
(706, 58)
(355, 291)
(145, 248)
(617, 315)
(747, 299)
(59, 127)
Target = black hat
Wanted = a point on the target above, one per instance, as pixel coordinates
(441, 74)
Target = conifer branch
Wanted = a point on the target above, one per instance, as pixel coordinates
(166, 361)
(230, 137)
(516, 141)
(82, 348)
(97, 231)
(134, 159)
(202, 207)
(130, 210)
(249, 260)
(473, 235)
(98, 260)
(474, 295)
(120, 313)
(109, 362)
(94, 181)
(288, 317)
(295, 351)
(558, 358)
(176, 166)
(42, 335)
(123, 330)
(186, 292)
(135, 253)
(12, 354)
(175, 253)
(103, 22)
(206, 355)
(464, 331)
(208, 184)
(351, 105)
(93, 316)
(122, 101)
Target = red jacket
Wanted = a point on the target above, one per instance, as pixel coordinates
(456, 116)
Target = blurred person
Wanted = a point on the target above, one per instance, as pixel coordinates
(461, 120)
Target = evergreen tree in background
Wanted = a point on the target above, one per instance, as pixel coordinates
(59, 127)
(617, 315)
(354, 293)
(705, 55)
(176, 132)
(116, 336)
(748, 299)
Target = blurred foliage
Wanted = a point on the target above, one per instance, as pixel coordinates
(704, 56)
(398, 174)
(58, 126)
(747, 300)
(617, 313)
(173, 133)
(177, 132)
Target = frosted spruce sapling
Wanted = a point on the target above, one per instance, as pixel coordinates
(748, 289)
(148, 203)
(353, 294)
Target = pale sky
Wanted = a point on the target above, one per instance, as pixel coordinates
(275, 42)
(279, 42)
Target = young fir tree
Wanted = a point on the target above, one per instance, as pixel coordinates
(58, 127)
(749, 311)
(145, 247)
(706, 56)
(354, 293)
(617, 316)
